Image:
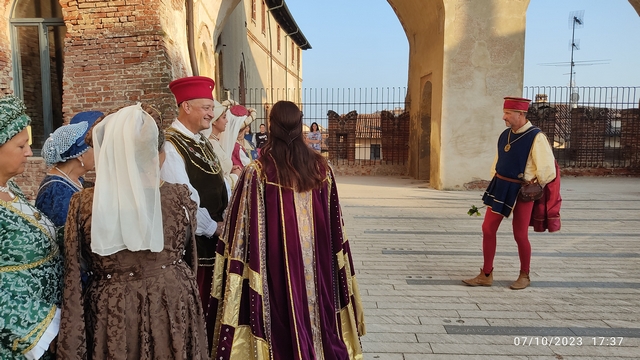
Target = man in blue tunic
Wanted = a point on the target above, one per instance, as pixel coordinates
(523, 155)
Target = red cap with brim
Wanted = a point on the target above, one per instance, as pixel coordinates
(192, 87)
(517, 104)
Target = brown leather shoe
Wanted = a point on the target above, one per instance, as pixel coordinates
(522, 282)
(480, 280)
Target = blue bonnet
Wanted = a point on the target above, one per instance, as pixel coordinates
(67, 142)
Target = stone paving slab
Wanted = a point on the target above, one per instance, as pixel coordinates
(413, 245)
(467, 357)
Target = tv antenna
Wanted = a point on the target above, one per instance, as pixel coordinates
(576, 19)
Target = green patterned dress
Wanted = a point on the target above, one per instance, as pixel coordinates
(30, 276)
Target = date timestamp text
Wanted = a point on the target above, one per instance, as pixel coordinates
(567, 341)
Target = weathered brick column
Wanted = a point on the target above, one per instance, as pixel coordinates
(116, 54)
(630, 136)
(395, 137)
(342, 135)
(588, 127)
(545, 119)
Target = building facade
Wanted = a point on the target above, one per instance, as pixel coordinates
(67, 56)
(259, 56)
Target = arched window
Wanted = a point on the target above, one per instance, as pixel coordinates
(37, 45)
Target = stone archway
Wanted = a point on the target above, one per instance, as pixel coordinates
(473, 54)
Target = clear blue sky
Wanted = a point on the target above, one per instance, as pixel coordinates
(361, 44)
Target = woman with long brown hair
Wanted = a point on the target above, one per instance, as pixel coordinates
(303, 303)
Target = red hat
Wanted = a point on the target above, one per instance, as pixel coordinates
(239, 110)
(517, 104)
(192, 87)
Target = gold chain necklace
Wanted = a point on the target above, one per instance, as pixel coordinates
(209, 157)
(509, 142)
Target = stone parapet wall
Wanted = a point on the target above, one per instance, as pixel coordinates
(374, 168)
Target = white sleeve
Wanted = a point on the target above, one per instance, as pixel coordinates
(174, 171)
(541, 162)
(243, 157)
(228, 183)
(493, 166)
(49, 335)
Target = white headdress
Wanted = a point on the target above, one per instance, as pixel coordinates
(239, 117)
(218, 109)
(126, 202)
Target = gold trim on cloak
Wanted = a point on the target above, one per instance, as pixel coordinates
(286, 264)
(41, 328)
(246, 345)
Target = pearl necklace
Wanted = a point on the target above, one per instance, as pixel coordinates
(5, 189)
(75, 183)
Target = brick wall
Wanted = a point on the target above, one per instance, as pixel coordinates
(630, 136)
(545, 119)
(373, 168)
(30, 179)
(5, 49)
(116, 55)
(395, 137)
(342, 136)
(588, 127)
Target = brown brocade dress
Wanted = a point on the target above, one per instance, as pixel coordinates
(135, 305)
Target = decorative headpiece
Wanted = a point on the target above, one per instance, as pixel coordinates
(239, 117)
(516, 104)
(126, 199)
(13, 118)
(67, 142)
(239, 110)
(219, 108)
(192, 87)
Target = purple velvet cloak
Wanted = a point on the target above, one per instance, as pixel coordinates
(259, 295)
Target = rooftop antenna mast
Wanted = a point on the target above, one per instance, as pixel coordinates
(576, 20)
